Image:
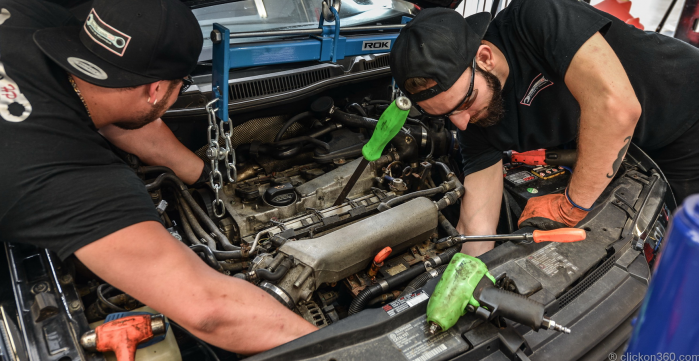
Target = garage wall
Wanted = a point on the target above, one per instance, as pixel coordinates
(649, 12)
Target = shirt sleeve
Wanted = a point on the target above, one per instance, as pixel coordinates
(477, 153)
(76, 205)
(554, 30)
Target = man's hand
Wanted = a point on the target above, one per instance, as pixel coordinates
(146, 262)
(550, 212)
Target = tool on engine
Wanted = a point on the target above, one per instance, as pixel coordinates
(124, 334)
(467, 286)
(563, 235)
(388, 126)
(542, 157)
(378, 262)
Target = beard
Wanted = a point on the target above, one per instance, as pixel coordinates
(151, 115)
(495, 110)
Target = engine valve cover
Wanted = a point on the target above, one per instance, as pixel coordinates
(343, 252)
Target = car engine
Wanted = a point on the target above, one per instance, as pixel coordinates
(282, 228)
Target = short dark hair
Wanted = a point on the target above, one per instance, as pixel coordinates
(415, 85)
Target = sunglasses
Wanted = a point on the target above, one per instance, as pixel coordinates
(186, 83)
(467, 102)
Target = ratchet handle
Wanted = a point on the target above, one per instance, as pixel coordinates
(387, 128)
(563, 235)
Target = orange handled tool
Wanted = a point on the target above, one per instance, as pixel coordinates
(378, 261)
(543, 157)
(123, 335)
(563, 235)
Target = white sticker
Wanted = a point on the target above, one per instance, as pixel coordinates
(87, 68)
(369, 45)
(14, 106)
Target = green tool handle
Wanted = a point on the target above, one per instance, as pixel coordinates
(388, 126)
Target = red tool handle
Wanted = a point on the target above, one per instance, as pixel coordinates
(534, 158)
(382, 255)
(123, 335)
(563, 235)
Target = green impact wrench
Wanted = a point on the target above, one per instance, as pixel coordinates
(388, 127)
(467, 285)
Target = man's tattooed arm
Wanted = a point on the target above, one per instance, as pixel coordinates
(620, 156)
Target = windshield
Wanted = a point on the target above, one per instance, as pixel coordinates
(266, 15)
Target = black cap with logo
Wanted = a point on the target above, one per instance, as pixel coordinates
(126, 43)
(438, 44)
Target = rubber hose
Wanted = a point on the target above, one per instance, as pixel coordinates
(421, 280)
(226, 255)
(189, 234)
(445, 170)
(358, 108)
(199, 213)
(290, 122)
(447, 225)
(403, 198)
(359, 303)
(405, 143)
(280, 272)
(211, 243)
(208, 256)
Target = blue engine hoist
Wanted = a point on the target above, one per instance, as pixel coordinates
(324, 44)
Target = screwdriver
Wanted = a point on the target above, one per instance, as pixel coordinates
(563, 235)
(388, 127)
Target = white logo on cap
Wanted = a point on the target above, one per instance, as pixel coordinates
(106, 35)
(87, 68)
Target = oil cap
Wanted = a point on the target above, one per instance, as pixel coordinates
(280, 195)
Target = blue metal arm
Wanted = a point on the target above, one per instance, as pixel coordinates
(329, 46)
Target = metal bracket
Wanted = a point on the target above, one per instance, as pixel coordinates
(322, 44)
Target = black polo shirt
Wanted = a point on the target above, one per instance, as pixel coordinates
(539, 38)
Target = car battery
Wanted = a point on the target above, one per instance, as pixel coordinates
(525, 182)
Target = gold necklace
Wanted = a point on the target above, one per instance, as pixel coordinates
(77, 91)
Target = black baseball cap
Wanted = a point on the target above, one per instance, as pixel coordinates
(438, 44)
(126, 43)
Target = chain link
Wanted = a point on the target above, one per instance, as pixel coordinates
(214, 154)
(229, 152)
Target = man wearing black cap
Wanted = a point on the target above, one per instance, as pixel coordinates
(543, 74)
(64, 189)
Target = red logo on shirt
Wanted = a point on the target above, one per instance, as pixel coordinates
(537, 84)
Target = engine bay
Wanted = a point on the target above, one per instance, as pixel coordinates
(282, 228)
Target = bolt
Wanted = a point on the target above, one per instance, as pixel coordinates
(74, 305)
(66, 279)
(40, 288)
(215, 36)
(471, 309)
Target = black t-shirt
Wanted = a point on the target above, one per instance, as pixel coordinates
(61, 187)
(539, 38)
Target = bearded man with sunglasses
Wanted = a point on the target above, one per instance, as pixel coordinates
(66, 89)
(547, 73)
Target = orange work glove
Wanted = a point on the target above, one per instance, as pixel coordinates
(550, 212)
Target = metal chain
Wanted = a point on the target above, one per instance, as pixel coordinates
(229, 152)
(214, 154)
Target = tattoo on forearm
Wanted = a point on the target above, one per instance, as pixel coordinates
(620, 156)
